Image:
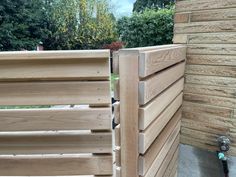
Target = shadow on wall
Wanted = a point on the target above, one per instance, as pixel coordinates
(195, 162)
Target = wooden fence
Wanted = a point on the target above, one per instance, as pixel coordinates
(208, 28)
(148, 113)
(73, 140)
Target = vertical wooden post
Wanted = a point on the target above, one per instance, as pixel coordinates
(129, 78)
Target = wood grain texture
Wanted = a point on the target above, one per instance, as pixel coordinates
(55, 93)
(194, 5)
(55, 119)
(55, 142)
(207, 70)
(71, 54)
(156, 165)
(219, 60)
(147, 136)
(150, 112)
(54, 69)
(182, 17)
(117, 135)
(214, 49)
(210, 100)
(129, 78)
(118, 156)
(173, 165)
(205, 27)
(168, 135)
(156, 60)
(117, 112)
(117, 90)
(210, 90)
(115, 62)
(55, 165)
(212, 38)
(154, 85)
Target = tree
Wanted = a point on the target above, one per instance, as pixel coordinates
(141, 5)
(147, 29)
(22, 24)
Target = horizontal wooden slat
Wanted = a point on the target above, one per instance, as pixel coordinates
(210, 90)
(117, 135)
(224, 71)
(205, 27)
(169, 147)
(223, 60)
(70, 54)
(207, 118)
(149, 48)
(51, 165)
(118, 171)
(168, 134)
(115, 63)
(156, 60)
(147, 137)
(212, 38)
(55, 119)
(55, 142)
(54, 69)
(173, 165)
(211, 80)
(149, 112)
(207, 109)
(182, 17)
(153, 86)
(193, 5)
(214, 49)
(210, 100)
(47, 93)
(117, 112)
(180, 39)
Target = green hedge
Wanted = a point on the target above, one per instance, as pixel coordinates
(152, 27)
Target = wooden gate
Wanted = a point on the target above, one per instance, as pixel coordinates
(66, 140)
(148, 114)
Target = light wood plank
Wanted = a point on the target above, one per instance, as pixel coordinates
(170, 147)
(52, 165)
(54, 69)
(117, 154)
(118, 172)
(180, 39)
(117, 135)
(71, 54)
(173, 165)
(214, 49)
(117, 112)
(149, 112)
(207, 109)
(205, 27)
(47, 93)
(168, 135)
(182, 17)
(212, 38)
(211, 80)
(210, 100)
(147, 136)
(129, 78)
(115, 63)
(194, 5)
(153, 86)
(55, 142)
(117, 90)
(214, 15)
(156, 60)
(55, 119)
(222, 71)
(210, 90)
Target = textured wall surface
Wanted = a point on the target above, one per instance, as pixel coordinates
(208, 27)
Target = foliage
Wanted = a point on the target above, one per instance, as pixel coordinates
(141, 5)
(114, 46)
(148, 28)
(80, 24)
(22, 24)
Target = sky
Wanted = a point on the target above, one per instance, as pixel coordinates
(122, 7)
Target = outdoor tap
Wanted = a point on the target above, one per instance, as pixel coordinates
(224, 143)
